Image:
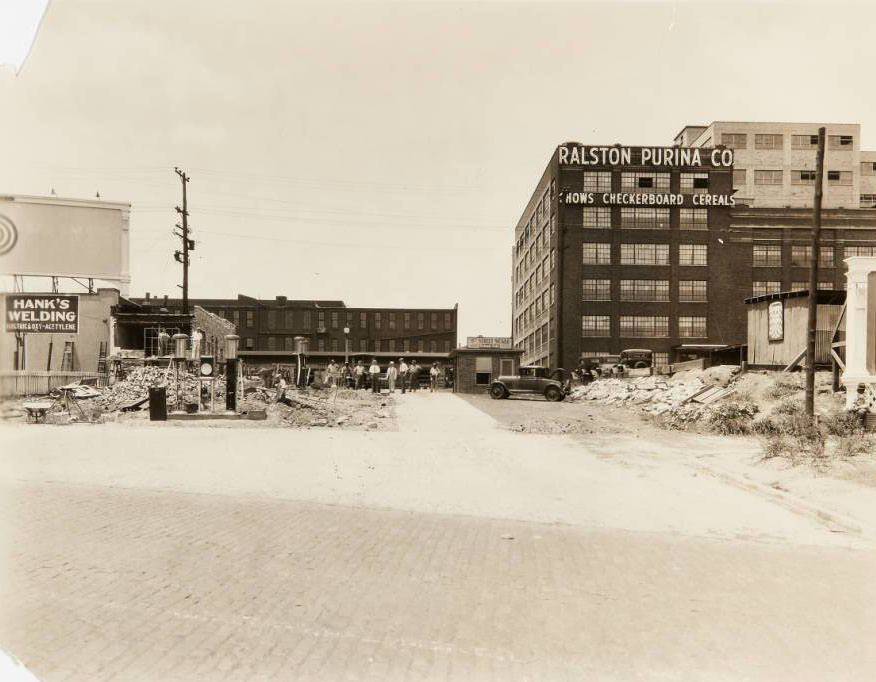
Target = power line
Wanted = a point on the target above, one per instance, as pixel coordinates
(186, 242)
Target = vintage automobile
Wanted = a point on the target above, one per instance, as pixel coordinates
(531, 380)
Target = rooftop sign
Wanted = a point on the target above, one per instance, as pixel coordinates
(658, 157)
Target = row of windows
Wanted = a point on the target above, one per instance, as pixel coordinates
(661, 358)
(762, 288)
(798, 177)
(595, 253)
(599, 217)
(540, 214)
(644, 182)
(770, 255)
(368, 346)
(689, 290)
(306, 319)
(689, 326)
(777, 141)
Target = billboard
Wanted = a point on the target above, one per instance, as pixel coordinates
(42, 313)
(488, 342)
(50, 236)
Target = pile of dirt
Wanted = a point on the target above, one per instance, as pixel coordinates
(654, 395)
(136, 384)
(341, 408)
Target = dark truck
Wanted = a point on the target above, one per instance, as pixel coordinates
(531, 380)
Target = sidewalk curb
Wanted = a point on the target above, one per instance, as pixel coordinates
(790, 502)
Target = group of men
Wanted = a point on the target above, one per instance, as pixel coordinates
(403, 375)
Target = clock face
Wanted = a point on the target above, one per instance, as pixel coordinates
(206, 369)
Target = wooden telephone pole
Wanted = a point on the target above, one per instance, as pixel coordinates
(813, 278)
(187, 244)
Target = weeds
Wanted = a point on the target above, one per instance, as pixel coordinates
(732, 418)
(784, 387)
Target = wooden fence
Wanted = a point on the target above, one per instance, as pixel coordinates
(24, 383)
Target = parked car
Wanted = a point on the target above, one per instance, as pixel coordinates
(636, 358)
(531, 380)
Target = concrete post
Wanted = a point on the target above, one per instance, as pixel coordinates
(860, 326)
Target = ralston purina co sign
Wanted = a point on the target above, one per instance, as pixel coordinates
(42, 313)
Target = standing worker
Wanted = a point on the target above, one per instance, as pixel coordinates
(391, 375)
(434, 373)
(374, 375)
(359, 373)
(403, 374)
(414, 375)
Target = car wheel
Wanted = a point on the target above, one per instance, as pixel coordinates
(641, 365)
(497, 392)
(553, 394)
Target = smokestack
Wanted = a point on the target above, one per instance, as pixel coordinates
(147, 295)
(165, 300)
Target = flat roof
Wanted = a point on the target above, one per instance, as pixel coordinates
(65, 201)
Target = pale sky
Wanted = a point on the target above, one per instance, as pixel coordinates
(381, 153)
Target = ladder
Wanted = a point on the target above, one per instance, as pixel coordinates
(101, 358)
(67, 358)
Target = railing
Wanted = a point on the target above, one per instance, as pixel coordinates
(23, 383)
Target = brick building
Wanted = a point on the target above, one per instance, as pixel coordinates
(625, 247)
(273, 325)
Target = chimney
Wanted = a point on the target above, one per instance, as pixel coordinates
(281, 299)
(147, 295)
(165, 300)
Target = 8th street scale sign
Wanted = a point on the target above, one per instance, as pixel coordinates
(42, 313)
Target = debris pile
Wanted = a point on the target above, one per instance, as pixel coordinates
(136, 384)
(655, 395)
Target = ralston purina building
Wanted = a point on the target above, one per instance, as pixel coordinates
(658, 247)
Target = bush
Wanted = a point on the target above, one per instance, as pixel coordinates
(843, 424)
(732, 418)
(853, 444)
(789, 406)
(784, 387)
(777, 446)
(765, 426)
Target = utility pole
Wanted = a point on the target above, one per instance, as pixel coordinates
(187, 244)
(813, 278)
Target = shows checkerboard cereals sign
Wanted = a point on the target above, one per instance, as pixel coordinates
(42, 313)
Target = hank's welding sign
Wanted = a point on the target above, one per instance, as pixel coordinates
(42, 313)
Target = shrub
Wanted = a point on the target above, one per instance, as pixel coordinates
(765, 426)
(853, 444)
(783, 387)
(732, 418)
(788, 406)
(776, 446)
(843, 424)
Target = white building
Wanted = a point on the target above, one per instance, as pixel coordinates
(774, 163)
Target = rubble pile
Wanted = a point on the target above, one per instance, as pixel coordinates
(654, 395)
(136, 384)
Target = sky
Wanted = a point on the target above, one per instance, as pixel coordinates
(382, 153)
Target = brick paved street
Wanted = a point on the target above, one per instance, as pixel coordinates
(131, 553)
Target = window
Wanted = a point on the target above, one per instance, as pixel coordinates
(407, 321)
(320, 343)
(803, 177)
(363, 320)
(483, 378)
(767, 177)
(595, 325)
(799, 286)
(272, 319)
(391, 317)
(644, 290)
(289, 320)
(421, 320)
(250, 319)
(653, 218)
(804, 141)
(839, 177)
(868, 168)
(448, 321)
(320, 322)
(596, 216)
(249, 342)
(734, 140)
(692, 327)
(802, 256)
(739, 178)
(596, 182)
(644, 325)
(597, 289)
(421, 346)
(446, 346)
(693, 254)
(661, 359)
(694, 183)
(378, 320)
(406, 344)
(693, 218)
(553, 293)
(840, 142)
(768, 141)
(638, 183)
(594, 353)
(868, 201)
(597, 253)
(764, 287)
(433, 346)
(288, 343)
(335, 320)
(377, 347)
(307, 321)
(335, 345)
(692, 290)
(851, 251)
(272, 343)
(826, 257)
(644, 254)
(766, 255)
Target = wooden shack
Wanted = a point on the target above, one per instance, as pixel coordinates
(777, 327)
(476, 368)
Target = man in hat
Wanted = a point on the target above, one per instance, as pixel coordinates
(403, 372)
(391, 376)
(359, 374)
(414, 376)
(374, 375)
(434, 373)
